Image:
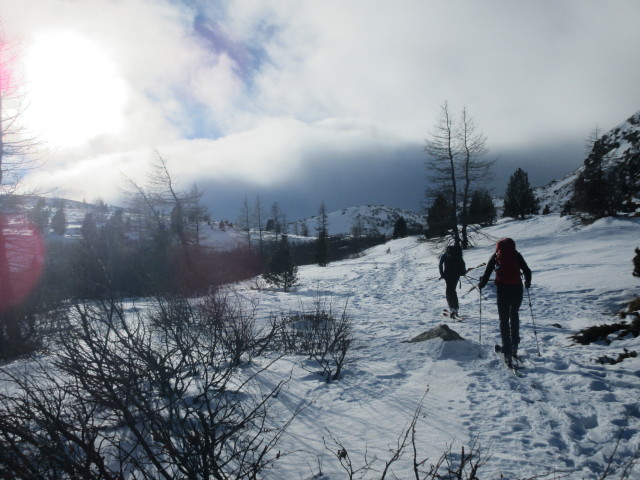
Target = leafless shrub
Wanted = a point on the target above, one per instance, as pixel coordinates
(258, 283)
(624, 468)
(137, 396)
(318, 334)
(232, 319)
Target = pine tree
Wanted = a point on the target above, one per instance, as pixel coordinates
(89, 228)
(59, 221)
(439, 217)
(400, 228)
(590, 191)
(519, 199)
(597, 192)
(282, 270)
(322, 243)
(39, 215)
(482, 210)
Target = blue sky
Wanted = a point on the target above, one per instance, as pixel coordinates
(303, 102)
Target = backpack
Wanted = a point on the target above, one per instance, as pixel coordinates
(507, 263)
(454, 265)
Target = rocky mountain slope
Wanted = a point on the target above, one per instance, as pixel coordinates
(617, 152)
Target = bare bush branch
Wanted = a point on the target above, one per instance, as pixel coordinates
(449, 466)
(146, 394)
(318, 334)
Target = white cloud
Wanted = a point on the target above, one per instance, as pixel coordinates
(270, 86)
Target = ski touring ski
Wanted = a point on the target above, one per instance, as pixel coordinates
(515, 367)
(447, 313)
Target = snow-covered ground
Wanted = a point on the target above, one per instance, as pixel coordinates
(564, 414)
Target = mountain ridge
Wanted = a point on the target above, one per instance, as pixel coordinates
(368, 220)
(616, 153)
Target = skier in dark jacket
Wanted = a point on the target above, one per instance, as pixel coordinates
(508, 263)
(451, 268)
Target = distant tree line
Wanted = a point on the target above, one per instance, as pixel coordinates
(152, 248)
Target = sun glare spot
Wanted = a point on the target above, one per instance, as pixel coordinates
(74, 90)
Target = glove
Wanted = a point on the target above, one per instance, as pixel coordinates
(527, 284)
(482, 284)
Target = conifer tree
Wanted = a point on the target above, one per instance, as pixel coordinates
(89, 228)
(439, 217)
(519, 199)
(282, 270)
(322, 243)
(400, 228)
(590, 190)
(481, 208)
(59, 221)
(39, 215)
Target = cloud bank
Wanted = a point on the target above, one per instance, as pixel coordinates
(265, 95)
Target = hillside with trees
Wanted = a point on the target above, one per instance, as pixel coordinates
(608, 183)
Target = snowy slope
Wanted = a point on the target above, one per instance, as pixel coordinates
(562, 418)
(557, 193)
(564, 415)
(622, 142)
(211, 234)
(620, 146)
(373, 219)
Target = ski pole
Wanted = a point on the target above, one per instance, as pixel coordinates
(480, 331)
(535, 332)
(473, 285)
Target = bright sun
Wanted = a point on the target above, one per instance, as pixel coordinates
(74, 90)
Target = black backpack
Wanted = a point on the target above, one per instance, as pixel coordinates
(454, 263)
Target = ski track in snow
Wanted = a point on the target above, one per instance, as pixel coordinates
(564, 414)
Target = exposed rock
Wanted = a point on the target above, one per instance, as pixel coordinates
(617, 154)
(441, 331)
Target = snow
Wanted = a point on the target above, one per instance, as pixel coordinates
(558, 193)
(374, 219)
(563, 415)
(621, 144)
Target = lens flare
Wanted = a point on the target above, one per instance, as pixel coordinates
(21, 259)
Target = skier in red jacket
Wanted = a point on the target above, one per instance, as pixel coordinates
(508, 263)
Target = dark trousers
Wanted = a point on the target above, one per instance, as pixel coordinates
(452, 295)
(509, 301)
